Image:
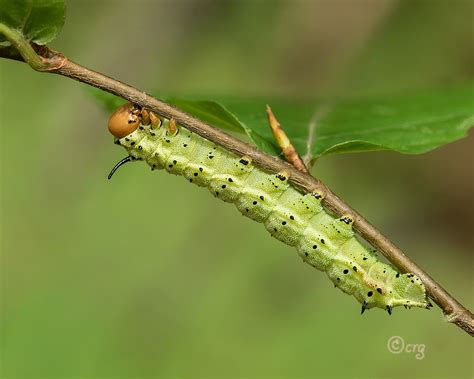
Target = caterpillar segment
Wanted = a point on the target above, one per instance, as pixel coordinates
(323, 241)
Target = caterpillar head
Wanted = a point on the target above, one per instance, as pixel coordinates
(128, 117)
(125, 120)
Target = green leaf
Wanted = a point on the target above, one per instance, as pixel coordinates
(107, 100)
(410, 124)
(216, 114)
(293, 116)
(39, 21)
(208, 111)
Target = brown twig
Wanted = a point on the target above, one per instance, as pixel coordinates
(284, 143)
(453, 310)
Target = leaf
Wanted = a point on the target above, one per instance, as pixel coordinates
(410, 124)
(40, 21)
(208, 111)
(219, 116)
(293, 116)
(109, 102)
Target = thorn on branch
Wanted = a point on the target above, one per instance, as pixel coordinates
(284, 142)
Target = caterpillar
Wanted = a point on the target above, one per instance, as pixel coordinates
(322, 240)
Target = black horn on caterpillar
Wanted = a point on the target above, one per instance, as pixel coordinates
(117, 166)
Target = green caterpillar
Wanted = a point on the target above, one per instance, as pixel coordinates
(325, 242)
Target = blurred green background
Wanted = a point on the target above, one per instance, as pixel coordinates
(146, 276)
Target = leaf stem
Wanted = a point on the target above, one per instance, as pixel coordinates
(27, 51)
(452, 309)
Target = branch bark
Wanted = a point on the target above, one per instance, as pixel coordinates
(452, 309)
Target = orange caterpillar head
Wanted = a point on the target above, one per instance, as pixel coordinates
(125, 120)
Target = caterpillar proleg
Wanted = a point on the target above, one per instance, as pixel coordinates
(323, 241)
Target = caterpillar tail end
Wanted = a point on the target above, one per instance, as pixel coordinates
(411, 292)
(404, 289)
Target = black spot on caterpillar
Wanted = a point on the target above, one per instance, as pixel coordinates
(325, 242)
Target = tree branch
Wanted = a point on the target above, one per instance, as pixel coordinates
(58, 64)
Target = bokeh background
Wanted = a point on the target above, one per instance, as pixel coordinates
(146, 276)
